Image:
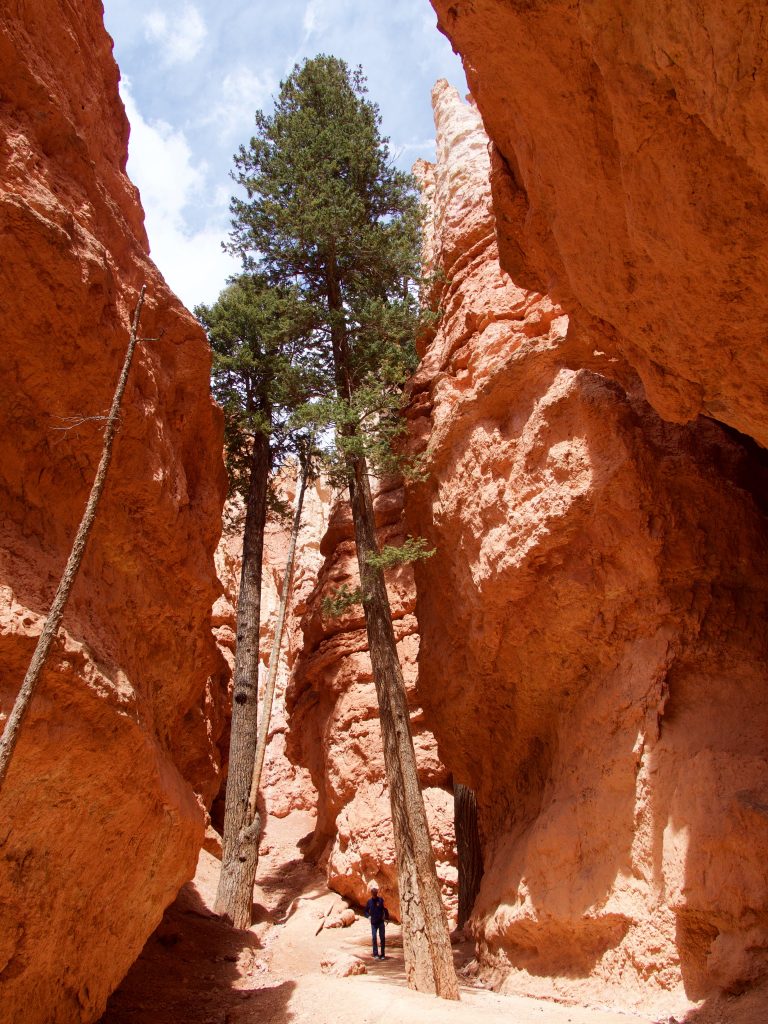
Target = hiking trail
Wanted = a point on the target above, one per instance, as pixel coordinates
(196, 970)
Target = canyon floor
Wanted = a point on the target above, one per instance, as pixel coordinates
(196, 970)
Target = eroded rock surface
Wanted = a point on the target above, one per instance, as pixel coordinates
(630, 181)
(593, 648)
(334, 722)
(102, 811)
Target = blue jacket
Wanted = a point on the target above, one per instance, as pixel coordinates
(376, 910)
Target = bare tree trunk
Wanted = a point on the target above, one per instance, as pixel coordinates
(468, 849)
(51, 625)
(274, 659)
(426, 943)
(234, 897)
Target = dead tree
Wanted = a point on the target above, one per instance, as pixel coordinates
(467, 848)
(31, 679)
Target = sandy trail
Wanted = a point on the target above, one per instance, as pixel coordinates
(195, 970)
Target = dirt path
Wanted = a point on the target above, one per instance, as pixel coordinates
(195, 970)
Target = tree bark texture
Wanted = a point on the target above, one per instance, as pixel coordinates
(51, 625)
(426, 942)
(274, 659)
(234, 897)
(468, 849)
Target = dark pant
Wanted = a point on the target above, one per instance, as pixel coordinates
(377, 929)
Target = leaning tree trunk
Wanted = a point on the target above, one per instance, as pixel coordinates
(274, 658)
(426, 943)
(468, 849)
(234, 897)
(50, 628)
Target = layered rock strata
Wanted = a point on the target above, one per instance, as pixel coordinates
(334, 727)
(102, 810)
(631, 181)
(593, 649)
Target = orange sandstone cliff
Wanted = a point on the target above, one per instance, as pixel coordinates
(631, 181)
(593, 648)
(334, 721)
(102, 811)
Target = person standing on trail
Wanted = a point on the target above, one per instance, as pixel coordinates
(377, 913)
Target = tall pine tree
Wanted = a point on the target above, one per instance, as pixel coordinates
(264, 367)
(327, 212)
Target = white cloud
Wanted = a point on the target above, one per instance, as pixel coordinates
(193, 265)
(181, 35)
(418, 148)
(171, 185)
(160, 161)
(156, 25)
(242, 93)
(311, 22)
(321, 15)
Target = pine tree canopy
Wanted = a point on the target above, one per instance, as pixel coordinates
(265, 366)
(327, 215)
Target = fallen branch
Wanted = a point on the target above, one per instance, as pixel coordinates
(77, 421)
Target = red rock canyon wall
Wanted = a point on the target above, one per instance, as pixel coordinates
(334, 721)
(630, 181)
(593, 648)
(102, 813)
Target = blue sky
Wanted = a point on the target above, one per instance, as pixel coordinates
(194, 72)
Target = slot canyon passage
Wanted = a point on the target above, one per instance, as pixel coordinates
(586, 649)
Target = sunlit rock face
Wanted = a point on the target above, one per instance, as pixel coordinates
(334, 721)
(593, 648)
(102, 811)
(630, 171)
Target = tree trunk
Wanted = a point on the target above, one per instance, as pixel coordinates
(274, 658)
(468, 849)
(51, 625)
(426, 943)
(234, 897)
